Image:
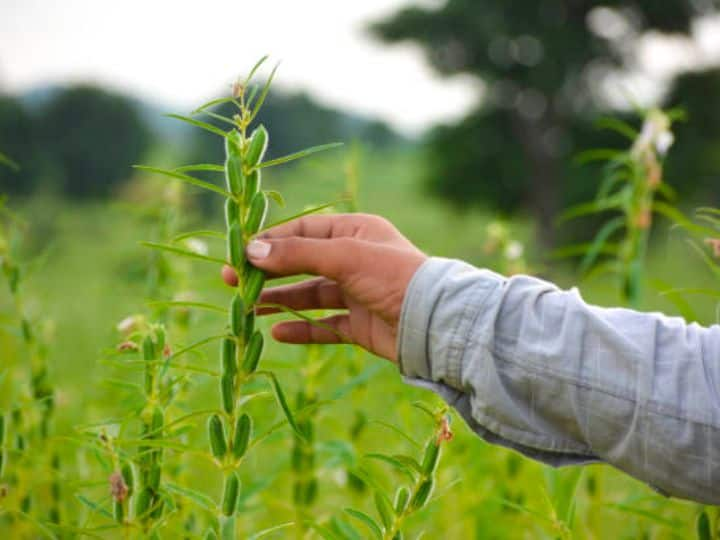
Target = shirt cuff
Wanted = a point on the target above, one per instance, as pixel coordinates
(441, 305)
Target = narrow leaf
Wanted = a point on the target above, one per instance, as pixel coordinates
(263, 94)
(198, 123)
(200, 167)
(255, 68)
(366, 520)
(183, 252)
(187, 304)
(299, 155)
(313, 210)
(282, 401)
(213, 102)
(187, 179)
(202, 500)
(94, 506)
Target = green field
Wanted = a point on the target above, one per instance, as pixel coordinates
(91, 272)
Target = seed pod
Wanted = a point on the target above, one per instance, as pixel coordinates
(26, 330)
(422, 494)
(158, 420)
(128, 478)
(232, 212)
(252, 353)
(237, 315)
(253, 181)
(143, 502)
(257, 146)
(159, 339)
(249, 325)
(3, 459)
(385, 510)
(154, 478)
(230, 494)
(256, 213)
(2, 429)
(430, 460)
(254, 281)
(119, 511)
(236, 246)
(398, 536)
(216, 434)
(243, 430)
(234, 176)
(210, 535)
(311, 489)
(227, 388)
(401, 499)
(148, 348)
(228, 350)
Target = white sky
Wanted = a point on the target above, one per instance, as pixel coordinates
(180, 52)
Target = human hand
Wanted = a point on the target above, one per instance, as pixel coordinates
(364, 265)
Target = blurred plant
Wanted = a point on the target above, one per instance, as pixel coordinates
(32, 398)
(508, 253)
(393, 508)
(633, 187)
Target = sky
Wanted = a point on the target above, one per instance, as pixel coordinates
(179, 53)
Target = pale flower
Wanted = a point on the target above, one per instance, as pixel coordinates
(196, 246)
(514, 251)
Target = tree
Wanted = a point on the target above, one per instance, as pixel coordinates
(17, 141)
(538, 60)
(92, 136)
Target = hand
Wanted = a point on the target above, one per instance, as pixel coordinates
(363, 264)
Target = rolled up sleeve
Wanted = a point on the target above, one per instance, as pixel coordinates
(536, 369)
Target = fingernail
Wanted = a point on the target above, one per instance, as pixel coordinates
(258, 249)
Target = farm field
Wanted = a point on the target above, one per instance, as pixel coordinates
(92, 273)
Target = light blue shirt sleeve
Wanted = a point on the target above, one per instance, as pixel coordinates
(534, 368)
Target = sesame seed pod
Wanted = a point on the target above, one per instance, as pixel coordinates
(237, 315)
(257, 146)
(119, 511)
(3, 459)
(26, 331)
(398, 536)
(159, 339)
(243, 430)
(402, 496)
(310, 492)
(230, 494)
(253, 181)
(2, 429)
(252, 353)
(385, 510)
(422, 494)
(430, 460)
(232, 212)
(249, 325)
(154, 478)
(148, 348)
(235, 246)
(216, 434)
(233, 163)
(256, 213)
(142, 503)
(253, 284)
(227, 389)
(128, 477)
(211, 535)
(228, 362)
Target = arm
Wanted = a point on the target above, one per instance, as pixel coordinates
(527, 365)
(538, 370)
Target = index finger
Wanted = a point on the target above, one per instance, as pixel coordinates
(320, 226)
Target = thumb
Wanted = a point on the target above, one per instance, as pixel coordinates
(331, 257)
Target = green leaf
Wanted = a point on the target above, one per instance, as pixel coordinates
(183, 252)
(93, 506)
(306, 318)
(254, 69)
(263, 94)
(192, 234)
(187, 304)
(322, 531)
(5, 160)
(307, 212)
(560, 486)
(276, 196)
(200, 499)
(613, 124)
(271, 530)
(299, 155)
(282, 401)
(398, 464)
(213, 102)
(598, 244)
(198, 123)
(611, 203)
(366, 520)
(201, 167)
(187, 179)
(675, 215)
(599, 154)
(702, 526)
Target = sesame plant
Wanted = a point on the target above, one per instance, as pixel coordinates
(26, 435)
(633, 189)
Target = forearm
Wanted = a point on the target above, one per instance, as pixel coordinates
(536, 369)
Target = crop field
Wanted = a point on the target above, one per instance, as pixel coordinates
(141, 397)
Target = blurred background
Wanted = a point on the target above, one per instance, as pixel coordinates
(461, 121)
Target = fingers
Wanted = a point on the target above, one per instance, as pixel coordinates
(335, 329)
(319, 293)
(331, 258)
(321, 226)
